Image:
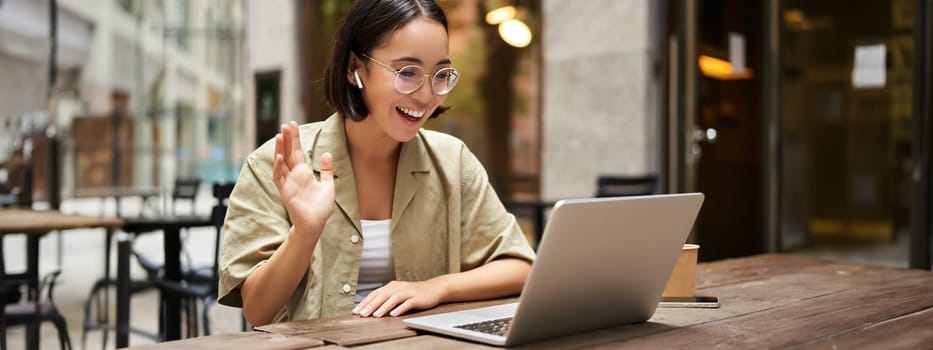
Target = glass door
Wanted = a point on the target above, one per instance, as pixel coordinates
(845, 83)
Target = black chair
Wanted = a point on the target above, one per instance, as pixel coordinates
(23, 313)
(185, 190)
(614, 186)
(198, 283)
(96, 310)
(208, 293)
(17, 312)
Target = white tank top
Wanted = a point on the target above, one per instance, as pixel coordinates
(376, 265)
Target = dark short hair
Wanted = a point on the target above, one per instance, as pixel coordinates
(367, 24)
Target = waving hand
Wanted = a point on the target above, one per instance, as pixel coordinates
(309, 201)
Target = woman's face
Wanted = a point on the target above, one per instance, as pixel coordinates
(422, 42)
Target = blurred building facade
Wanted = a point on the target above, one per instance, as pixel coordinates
(803, 122)
(795, 119)
(600, 108)
(273, 90)
(163, 72)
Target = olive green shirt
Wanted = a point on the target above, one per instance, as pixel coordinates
(446, 218)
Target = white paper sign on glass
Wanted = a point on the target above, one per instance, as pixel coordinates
(868, 70)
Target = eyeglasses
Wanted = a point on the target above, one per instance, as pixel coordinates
(409, 79)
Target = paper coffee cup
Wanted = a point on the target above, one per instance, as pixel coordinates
(683, 278)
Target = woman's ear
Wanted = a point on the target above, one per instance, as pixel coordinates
(353, 71)
(356, 74)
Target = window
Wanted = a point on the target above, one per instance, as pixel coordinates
(127, 5)
(182, 13)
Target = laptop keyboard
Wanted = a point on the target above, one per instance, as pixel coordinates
(498, 327)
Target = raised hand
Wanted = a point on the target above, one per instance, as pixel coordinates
(309, 201)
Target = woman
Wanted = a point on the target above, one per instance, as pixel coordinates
(366, 212)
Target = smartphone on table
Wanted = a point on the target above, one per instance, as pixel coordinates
(696, 301)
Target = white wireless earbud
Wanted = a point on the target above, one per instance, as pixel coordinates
(356, 74)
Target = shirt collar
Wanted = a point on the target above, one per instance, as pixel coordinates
(413, 163)
(332, 137)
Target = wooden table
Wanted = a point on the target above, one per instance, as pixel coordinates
(40, 222)
(35, 224)
(768, 301)
(117, 193)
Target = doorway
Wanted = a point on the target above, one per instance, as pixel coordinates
(267, 105)
(728, 133)
(716, 132)
(796, 119)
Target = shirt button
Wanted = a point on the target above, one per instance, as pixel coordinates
(346, 288)
(355, 238)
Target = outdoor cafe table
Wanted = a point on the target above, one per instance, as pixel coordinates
(768, 301)
(35, 224)
(171, 227)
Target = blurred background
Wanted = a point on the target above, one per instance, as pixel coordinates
(806, 124)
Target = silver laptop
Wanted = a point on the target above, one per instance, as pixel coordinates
(602, 262)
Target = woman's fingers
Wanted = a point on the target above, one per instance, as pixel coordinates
(327, 167)
(370, 304)
(387, 306)
(279, 171)
(286, 141)
(296, 138)
(288, 146)
(278, 143)
(403, 308)
(393, 299)
(291, 144)
(294, 150)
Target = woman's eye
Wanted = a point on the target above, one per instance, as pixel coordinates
(407, 73)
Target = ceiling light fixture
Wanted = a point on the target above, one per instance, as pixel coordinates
(515, 33)
(500, 15)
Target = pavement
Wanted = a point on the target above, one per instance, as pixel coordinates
(81, 261)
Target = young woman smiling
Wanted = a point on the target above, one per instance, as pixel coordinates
(366, 212)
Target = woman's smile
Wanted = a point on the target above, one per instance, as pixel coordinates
(411, 114)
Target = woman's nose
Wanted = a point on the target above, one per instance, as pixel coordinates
(424, 94)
